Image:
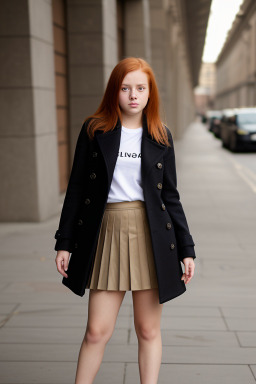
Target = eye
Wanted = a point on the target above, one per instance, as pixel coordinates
(141, 88)
(124, 88)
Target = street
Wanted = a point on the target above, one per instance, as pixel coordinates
(245, 165)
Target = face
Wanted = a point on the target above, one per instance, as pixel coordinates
(134, 93)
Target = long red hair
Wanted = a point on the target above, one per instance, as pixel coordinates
(106, 116)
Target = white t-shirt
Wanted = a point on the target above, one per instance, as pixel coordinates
(126, 182)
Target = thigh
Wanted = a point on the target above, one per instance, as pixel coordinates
(103, 308)
(147, 309)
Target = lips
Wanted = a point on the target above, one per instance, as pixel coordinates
(133, 104)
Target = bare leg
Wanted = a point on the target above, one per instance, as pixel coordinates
(103, 308)
(147, 319)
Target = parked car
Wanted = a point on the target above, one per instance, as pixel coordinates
(226, 120)
(203, 118)
(224, 115)
(238, 131)
(214, 120)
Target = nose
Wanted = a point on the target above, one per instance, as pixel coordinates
(133, 95)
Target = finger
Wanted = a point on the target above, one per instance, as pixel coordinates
(63, 267)
(58, 262)
(66, 264)
(187, 269)
(63, 273)
(190, 270)
(184, 277)
(60, 267)
(189, 278)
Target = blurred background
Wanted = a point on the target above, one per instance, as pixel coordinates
(55, 60)
(56, 57)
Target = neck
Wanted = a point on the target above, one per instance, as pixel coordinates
(132, 121)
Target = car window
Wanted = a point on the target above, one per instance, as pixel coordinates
(245, 118)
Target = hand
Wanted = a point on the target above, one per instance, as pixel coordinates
(189, 269)
(62, 262)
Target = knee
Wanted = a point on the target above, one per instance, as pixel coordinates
(147, 332)
(96, 334)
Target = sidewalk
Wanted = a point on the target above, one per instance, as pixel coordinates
(208, 333)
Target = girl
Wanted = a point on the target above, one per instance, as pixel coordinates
(122, 220)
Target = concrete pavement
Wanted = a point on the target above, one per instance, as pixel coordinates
(209, 332)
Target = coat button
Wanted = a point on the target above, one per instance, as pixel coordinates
(163, 207)
(159, 186)
(80, 222)
(172, 246)
(94, 154)
(93, 175)
(168, 225)
(87, 201)
(159, 165)
(76, 245)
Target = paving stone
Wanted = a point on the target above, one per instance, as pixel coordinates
(39, 352)
(4, 285)
(195, 311)
(193, 323)
(193, 338)
(34, 297)
(55, 372)
(247, 339)
(5, 309)
(213, 355)
(239, 312)
(241, 324)
(3, 319)
(117, 353)
(32, 320)
(195, 374)
(60, 352)
(59, 335)
(221, 294)
(63, 309)
(253, 368)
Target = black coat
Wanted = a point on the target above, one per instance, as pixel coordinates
(86, 198)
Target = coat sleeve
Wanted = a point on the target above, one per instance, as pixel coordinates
(173, 205)
(74, 193)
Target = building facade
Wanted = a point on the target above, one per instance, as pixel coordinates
(56, 57)
(236, 64)
(205, 91)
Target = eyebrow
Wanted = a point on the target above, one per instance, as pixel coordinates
(137, 84)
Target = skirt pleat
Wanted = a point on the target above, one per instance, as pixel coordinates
(124, 263)
(124, 259)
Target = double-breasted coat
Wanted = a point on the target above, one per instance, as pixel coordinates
(86, 197)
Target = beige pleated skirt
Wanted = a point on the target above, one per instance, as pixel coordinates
(123, 259)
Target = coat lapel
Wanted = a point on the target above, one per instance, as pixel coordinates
(109, 142)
